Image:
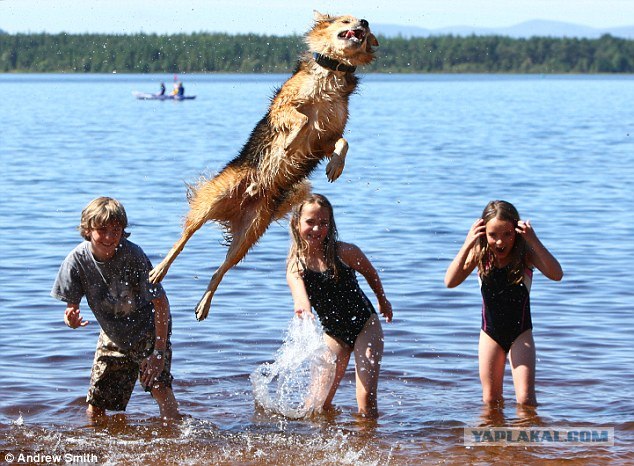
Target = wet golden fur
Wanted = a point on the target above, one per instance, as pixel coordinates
(304, 125)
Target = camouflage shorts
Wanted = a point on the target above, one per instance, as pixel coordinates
(115, 371)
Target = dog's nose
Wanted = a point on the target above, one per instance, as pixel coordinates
(364, 23)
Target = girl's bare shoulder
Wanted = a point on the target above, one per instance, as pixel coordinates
(347, 250)
(351, 255)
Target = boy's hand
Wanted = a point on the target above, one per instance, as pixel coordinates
(151, 368)
(73, 318)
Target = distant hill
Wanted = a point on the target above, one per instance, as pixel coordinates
(534, 28)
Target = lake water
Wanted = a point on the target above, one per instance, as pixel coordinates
(426, 154)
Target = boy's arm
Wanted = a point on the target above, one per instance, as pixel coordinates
(157, 295)
(69, 289)
(356, 259)
(161, 322)
(153, 365)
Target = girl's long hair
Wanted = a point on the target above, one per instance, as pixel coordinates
(299, 246)
(503, 210)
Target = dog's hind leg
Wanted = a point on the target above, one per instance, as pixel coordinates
(209, 200)
(191, 226)
(251, 227)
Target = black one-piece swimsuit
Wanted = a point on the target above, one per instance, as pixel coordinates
(506, 307)
(342, 306)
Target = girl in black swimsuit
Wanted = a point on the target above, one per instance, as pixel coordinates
(321, 274)
(504, 249)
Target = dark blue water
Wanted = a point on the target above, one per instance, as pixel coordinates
(426, 154)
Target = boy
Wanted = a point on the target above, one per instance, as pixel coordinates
(134, 315)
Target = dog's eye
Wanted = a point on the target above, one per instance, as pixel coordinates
(345, 21)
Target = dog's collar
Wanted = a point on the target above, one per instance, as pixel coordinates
(333, 65)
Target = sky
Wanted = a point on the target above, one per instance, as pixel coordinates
(285, 17)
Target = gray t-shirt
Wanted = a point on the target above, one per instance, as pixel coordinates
(118, 291)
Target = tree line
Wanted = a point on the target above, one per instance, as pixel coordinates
(253, 53)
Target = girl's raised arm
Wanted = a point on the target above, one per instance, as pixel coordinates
(538, 255)
(465, 261)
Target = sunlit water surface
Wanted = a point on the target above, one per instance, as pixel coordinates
(426, 154)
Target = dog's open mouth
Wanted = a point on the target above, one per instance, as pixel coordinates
(354, 35)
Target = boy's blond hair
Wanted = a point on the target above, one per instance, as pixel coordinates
(101, 212)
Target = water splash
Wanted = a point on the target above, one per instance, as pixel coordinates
(296, 384)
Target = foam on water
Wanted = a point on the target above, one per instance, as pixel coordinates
(297, 382)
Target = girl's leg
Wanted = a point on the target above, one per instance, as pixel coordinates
(368, 352)
(492, 359)
(342, 354)
(522, 357)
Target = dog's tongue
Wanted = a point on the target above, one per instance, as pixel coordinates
(350, 34)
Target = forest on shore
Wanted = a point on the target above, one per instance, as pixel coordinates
(253, 53)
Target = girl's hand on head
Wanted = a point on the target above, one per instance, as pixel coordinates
(73, 318)
(538, 255)
(477, 230)
(525, 229)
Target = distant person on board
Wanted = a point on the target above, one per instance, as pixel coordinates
(162, 89)
(134, 315)
(179, 90)
(321, 274)
(505, 250)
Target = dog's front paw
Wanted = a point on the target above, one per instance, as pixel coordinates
(334, 169)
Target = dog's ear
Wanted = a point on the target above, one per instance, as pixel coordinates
(317, 16)
(370, 42)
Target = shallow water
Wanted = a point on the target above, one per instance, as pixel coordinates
(426, 154)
